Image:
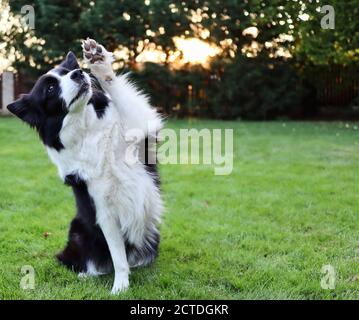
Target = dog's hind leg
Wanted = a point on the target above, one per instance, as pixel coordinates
(98, 260)
(86, 251)
(74, 254)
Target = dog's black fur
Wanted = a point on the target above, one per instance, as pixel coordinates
(86, 240)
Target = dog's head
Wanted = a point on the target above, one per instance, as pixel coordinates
(63, 89)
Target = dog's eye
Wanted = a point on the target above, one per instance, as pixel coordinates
(50, 88)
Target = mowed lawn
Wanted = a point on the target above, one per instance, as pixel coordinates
(290, 207)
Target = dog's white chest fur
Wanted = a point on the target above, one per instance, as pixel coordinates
(89, 144)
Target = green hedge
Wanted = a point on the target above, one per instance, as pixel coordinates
(246, 88)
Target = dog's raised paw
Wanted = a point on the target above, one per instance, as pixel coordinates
(95, 53)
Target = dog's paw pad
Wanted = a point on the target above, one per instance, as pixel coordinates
(94, 53)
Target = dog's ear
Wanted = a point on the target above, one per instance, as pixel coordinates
(23, 110)
(70, 62)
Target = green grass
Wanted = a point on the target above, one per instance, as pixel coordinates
(264, 232)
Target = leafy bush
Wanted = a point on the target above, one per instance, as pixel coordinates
(245, 88)
(253, 89)
(177, 93)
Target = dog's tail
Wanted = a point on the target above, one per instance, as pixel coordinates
(145, 254)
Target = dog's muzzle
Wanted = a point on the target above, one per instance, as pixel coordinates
(78, 76)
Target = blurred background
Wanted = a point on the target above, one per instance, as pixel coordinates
(228, 59)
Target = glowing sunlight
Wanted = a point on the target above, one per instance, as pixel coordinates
(195, 51)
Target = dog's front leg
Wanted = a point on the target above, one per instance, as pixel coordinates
(117, 249)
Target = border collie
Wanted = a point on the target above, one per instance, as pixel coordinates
(87, 130)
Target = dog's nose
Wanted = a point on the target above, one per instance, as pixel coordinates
(77, 75)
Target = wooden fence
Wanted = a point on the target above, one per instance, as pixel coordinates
(336, 86)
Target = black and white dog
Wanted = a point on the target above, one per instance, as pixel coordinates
(87, 132)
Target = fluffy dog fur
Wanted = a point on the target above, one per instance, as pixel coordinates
(88, 133)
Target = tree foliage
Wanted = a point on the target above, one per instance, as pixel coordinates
(255, 76)
(321, 46)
